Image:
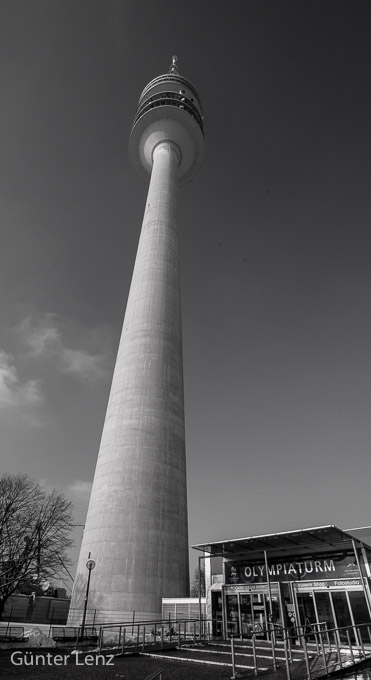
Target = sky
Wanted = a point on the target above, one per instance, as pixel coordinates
(275, 237)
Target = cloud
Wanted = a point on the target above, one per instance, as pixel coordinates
(80, 489)
(82, 363)
(40, 335)
(15, 393)
(43, 340)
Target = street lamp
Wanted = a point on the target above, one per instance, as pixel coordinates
(90, 566)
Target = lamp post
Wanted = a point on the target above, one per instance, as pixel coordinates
(90, 566)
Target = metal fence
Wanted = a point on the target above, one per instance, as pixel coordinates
(151, 635)
(334, 648)
(92, 616)
(43, 610)
(322, 649)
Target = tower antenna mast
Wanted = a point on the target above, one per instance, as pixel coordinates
(174, 65)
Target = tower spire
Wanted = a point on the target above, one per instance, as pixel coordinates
(174, 65)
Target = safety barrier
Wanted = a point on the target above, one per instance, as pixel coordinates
(129, 637)
(12, 634)
(336, 648)
(74, 635)
(132, 637)
(321, 648)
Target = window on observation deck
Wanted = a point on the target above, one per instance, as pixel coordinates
(169, 99)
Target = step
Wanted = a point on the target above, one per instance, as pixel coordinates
(186, 656)
(296, 652)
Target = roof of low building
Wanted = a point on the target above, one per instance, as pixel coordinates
(314, 540)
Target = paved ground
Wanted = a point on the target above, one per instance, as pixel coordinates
(31, 667)
(126, 668)
(49, 664)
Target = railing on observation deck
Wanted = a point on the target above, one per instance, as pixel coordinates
(169, 99)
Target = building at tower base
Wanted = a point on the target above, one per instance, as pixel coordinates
(298, 580)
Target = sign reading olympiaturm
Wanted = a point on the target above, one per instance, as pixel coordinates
(295, 569)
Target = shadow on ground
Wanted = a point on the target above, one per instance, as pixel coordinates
(125, 668)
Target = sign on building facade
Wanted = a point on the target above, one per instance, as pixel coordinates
(297, 569)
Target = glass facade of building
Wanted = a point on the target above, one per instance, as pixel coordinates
(304, 578)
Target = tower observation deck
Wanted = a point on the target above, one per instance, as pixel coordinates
(136, 527)
(169, 109)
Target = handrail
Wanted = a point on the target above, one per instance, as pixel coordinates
(171, 100)
(314, 623)
(337, 646)
(324, 647)
(331, 630)
(153, 676)
(315, 628)
(147, 622)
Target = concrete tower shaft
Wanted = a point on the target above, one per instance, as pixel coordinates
(136, 527)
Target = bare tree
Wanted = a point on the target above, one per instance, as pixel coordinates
(34, 534)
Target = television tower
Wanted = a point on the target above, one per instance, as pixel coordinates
(136, 528)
